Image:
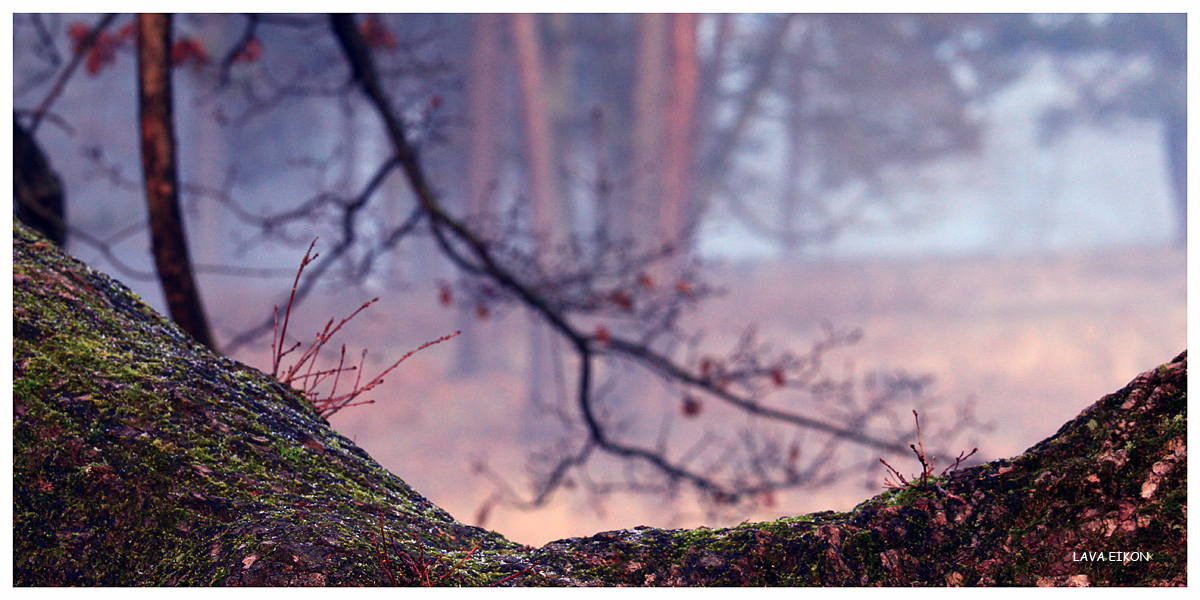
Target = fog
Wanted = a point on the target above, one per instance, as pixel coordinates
(994, 211)
(1095, 187)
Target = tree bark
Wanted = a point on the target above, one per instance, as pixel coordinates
(162, 182)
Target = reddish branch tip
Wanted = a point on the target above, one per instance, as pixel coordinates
(311, 378)
(897, 481)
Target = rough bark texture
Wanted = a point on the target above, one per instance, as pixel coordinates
(141, 458)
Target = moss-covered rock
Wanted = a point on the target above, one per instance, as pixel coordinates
(140, 458)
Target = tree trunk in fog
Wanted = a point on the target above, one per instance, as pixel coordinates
(539, 142)
(204, 159)
(161, 176)
(483, 157)
(716, 160)
(710, 75)
(37, 188)
(611, 125)
(705, 123)
(1169, 34)
(793, 191)
(483, 113)
(1176, 133)
(674, 215)
(720, 46)
(548, 226)
(650, 95)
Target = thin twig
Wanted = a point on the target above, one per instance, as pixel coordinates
(277, 356)
(927, 462)
(476, 255)
(82, 49)
(313, 377)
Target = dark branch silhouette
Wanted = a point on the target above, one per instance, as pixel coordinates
(37, 188)
(617, 306)
(162, 181)
(81, 50)
(531, 282)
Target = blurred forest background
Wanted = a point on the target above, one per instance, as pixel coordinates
(704, 266)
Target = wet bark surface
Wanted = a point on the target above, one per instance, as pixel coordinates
(141, 458)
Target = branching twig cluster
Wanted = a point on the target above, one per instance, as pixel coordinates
(408, 570)
(568, 305)
(304, 370)
(925, 481)
(84, 45)
(616, 307)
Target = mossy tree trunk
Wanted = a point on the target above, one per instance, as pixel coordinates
(141, 458)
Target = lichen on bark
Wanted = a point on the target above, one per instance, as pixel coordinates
(140, 458)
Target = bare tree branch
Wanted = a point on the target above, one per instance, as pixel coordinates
(478, 256)
(350, 210)
(162, 180)
(81, 50)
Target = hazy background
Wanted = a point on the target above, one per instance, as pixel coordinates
(989, 199)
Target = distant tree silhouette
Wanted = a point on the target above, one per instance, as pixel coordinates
(1143, 73)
